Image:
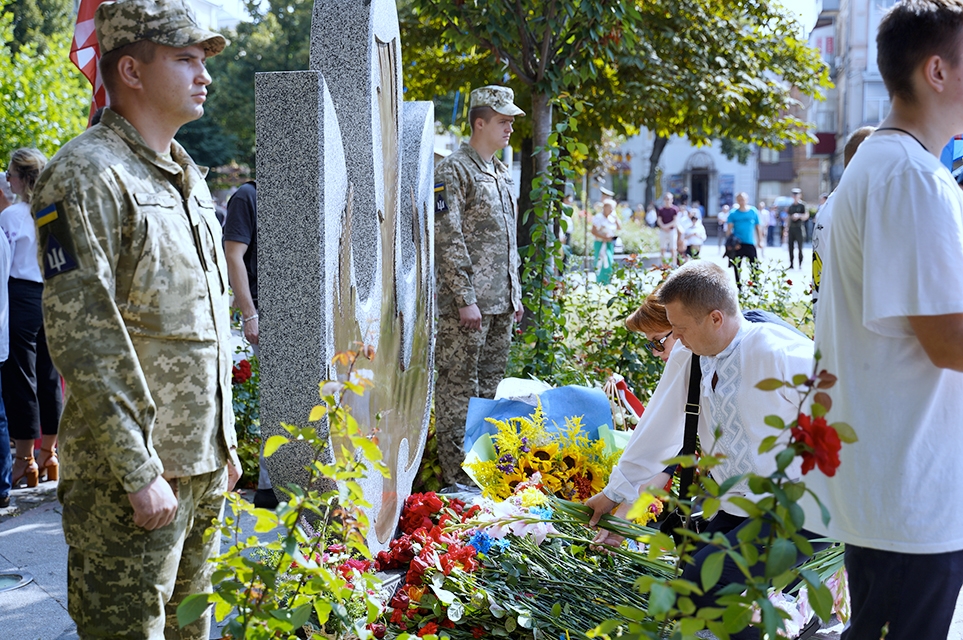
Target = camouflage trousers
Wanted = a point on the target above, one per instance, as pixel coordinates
(126, 582)
(470, 364)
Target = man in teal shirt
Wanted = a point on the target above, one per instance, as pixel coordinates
(743, 223)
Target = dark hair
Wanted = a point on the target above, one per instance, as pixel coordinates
(485, 113)
(142, 51)
(649, 317)
(701, 287)
(911, 32)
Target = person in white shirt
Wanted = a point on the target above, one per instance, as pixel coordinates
(821, 232)
(605, 226)
(31, 389)
(5, 461)
(764, 219)
(890, 326)
(722, 218)
(701, 306)
(694, 235)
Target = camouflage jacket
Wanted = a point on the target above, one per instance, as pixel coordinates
(476, 251)
(135, 308)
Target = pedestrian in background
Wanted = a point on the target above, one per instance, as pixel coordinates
(798, 216)
(240, 250)
(668, 228)
(605, 227)
(722, 219)
(5, 461)
(476, 267)
(32, 394)
(695, 235)
(744, 225)
(129, 236)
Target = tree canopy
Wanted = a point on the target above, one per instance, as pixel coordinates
(45, 99)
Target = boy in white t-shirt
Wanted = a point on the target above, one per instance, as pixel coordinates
(890, 326)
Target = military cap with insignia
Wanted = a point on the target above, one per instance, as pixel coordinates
(500, 99)
(167, 22)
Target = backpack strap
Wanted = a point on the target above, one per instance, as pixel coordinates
(692, 409)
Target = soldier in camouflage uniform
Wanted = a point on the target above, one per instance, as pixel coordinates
(136, 313)
(476, 254)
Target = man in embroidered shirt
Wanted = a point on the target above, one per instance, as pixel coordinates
(476, 263)
(702, 306)
(136, 314)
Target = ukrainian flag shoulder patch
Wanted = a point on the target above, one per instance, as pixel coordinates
(47, 215)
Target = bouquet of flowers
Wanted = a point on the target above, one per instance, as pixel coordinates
(506, 569)
(569, 465)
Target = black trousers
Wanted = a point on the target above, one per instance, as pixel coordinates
(747, 251)
(730, 525)
(797, 236)
(31, 386)
(914, 594)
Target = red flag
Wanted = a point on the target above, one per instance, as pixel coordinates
(85, 52)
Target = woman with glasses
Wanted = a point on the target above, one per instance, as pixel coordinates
(655, 438)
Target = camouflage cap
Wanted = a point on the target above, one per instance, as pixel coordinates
(167, 22)
(501, 99)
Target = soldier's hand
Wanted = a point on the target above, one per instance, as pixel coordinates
(233, 470)
(519, 312)
(470, 317)
(155, 505)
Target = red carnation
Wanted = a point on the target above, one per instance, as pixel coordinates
(241, 372)
(377, 629)
(478, 632)
(429, 629)
(820, 444)
(397, 616)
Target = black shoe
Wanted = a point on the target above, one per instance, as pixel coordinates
(265, 499)
(4, 502)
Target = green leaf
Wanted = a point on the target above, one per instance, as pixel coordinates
(192, 607)
(272, 445)
(799, 379)
(774, 421)
(768, 443)
(689, 626)
(780, 557)
(317, 412)
(770, 384)
(845, 432)
(661, 599)
(821, 599)
(712, 570)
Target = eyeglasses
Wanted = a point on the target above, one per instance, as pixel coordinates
(657, 346)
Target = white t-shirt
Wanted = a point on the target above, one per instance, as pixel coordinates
(899, 488)
(17, 224)
(605, 224)
(764, 218)
(820, 243)
(4, 300)
(695, 234)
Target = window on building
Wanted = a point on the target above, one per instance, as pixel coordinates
(768, 156)
(769, 189)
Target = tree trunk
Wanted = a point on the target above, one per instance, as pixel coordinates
(532, 165)
(657, 148)
(525, 192)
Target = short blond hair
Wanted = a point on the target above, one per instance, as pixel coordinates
(701, 287)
